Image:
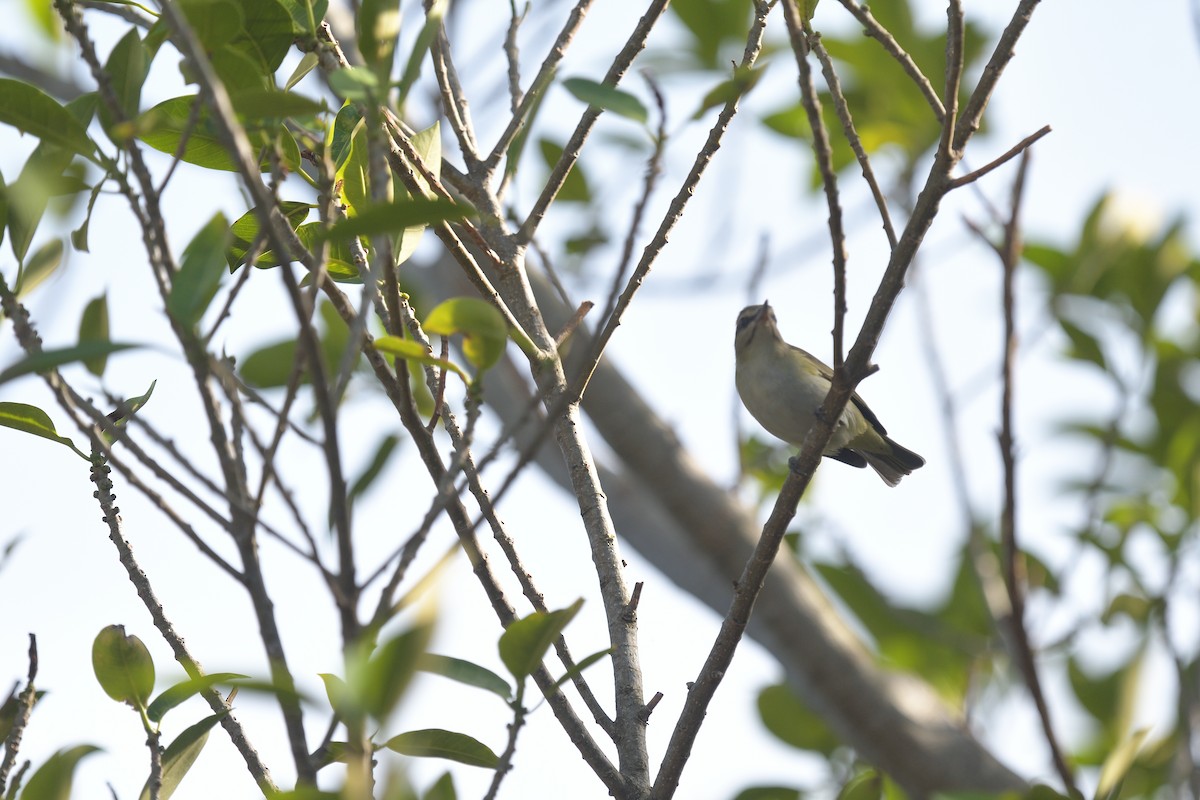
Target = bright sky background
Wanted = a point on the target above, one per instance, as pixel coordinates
(1106, 76)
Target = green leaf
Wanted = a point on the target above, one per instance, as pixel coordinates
(338, 694)
(768, 793)
(428, 145)
(267, 32)
(524, 643)
(269, 367)
(730, 90)
(378, 24)
(184, 690)
(438, 743)
(354, 83)
(41, 265)
(411, 351)
(51, 359)
(575, 188)
(180, 754)
(53, 779)
(129, 406)
(308, 63)
(253, 104)
(306, 15)
(127, 67)
(378, 461)
(123, 666)
(1118, 763)
(214, 22)
(378, 218)
(339, 138)
(471, 674)
(442, 789)
(165, 126)
(607, 97)
(482, 326)
(79, 236)
(93, 327)
(352, 175)
(866, 785)
(793, 722)
(412, 68)
(580, 666)
(200, 272)
(31, 419)
(381, 682)
(3, 208)
(29, 194)
(245, 230)
(32, 111)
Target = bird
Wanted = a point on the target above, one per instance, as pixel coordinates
(783, 387)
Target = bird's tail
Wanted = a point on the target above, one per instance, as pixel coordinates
(894, 464)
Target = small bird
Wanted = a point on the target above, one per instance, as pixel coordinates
(782, 387)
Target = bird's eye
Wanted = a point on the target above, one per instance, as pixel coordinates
(743, 321)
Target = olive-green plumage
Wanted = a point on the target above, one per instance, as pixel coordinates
(783, 386)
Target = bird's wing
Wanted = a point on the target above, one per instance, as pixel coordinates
(827, 373)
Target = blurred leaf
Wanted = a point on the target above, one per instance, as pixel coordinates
(44, 262)
(52, 780)
(575, 188)
(466, 672)
(357, 84)
(376, 218)
(411, 351)
(442, 789)
(255, 104)
(269, 367)
(306, 14)
(338, 694)
(180, 754)
(484, 330)
(31, 419)
(743, 80)
(718, 29)
(30, 193)
(382, 680)
(583, 664)
(246, 229)
(383, 452)
(428, 145)
(437, 743)
(93, 327)
(768, 793)
(79, 236)
(434, 13)
(524, 643)
(607, 97)
(32, 111)
(378, 26)
(1136, 608)
(866, 785)
(1117, 765)
(51, 359)
(185, 690)
(791, 721)
(266, 34)
(123, 666)
(214, 22)
(127, 67)
(199, 275)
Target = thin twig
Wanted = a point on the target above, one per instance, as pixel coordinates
(1011, 256)
(880, 34)
(25, 701)
(1014, 151)
(823, 152)
(843, 111)
(571, 150)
